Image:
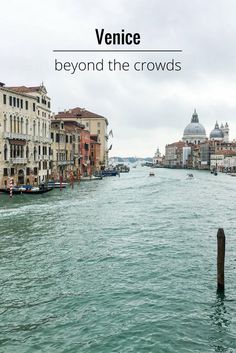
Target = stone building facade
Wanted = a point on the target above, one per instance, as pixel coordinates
(65, 137)
(95, 124)
(24, 135)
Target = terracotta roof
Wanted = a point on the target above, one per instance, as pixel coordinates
(226, 153)
(78, 113)
(177, 144)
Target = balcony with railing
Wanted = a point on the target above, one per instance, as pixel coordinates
(66, 162)
(15, 135)
(18, 160)
(41, 139)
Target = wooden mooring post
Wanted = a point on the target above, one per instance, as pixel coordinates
(220, 259)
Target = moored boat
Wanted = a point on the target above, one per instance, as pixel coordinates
(57, 184)
(112, 172)
(27, 191)
(90, 178)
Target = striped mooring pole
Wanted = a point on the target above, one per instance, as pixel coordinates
(11, 185)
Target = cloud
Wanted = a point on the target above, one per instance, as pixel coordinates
(145, 109)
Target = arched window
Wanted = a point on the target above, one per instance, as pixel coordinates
(27, 152)
(27, 126)
(18, 125)
(5, 152)
(14, 128)
(21, 125)
(35, 154)
(10, 123)
(5, 123)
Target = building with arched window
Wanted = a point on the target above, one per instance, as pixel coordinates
(23, 110)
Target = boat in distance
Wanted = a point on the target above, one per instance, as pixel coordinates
(190, 176)
(90, 178)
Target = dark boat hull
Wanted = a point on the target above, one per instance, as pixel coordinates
(27, 192)
(109, 173)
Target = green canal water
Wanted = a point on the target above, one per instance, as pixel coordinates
(120, 265)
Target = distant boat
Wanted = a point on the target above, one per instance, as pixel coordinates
(108, 172)
(151, 174)
(90, 178)
(190, 176)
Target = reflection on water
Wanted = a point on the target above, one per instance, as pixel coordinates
(221, 321)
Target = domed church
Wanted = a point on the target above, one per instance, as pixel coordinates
(194, 132)
(220, 133)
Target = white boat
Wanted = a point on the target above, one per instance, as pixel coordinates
(57, 185)
(151, 174)
(90, 178)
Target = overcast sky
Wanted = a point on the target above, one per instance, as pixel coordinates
(144, 109)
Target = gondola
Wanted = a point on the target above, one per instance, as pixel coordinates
(29, 191)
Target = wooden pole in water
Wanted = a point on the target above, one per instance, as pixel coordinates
(60, 182)
(220, 259)
(11, 186)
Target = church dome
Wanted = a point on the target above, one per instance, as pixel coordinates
(216, 133)
(194, 131)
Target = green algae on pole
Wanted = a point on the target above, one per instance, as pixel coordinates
(220, 259)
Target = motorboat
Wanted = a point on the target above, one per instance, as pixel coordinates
(109, 172)
(57, 184)
(151, 174)
(90, 178)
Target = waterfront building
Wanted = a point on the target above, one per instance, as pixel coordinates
(194, 132)
(94, 123)
(24, 134)
(157, 159)
(85, 152)
(65, 137)
(224, 161)
(174, 155)
(229, 162)
(94, 153)
(186, 155)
